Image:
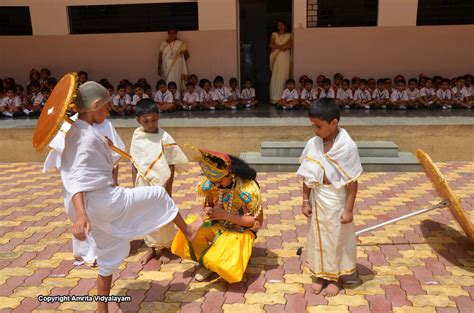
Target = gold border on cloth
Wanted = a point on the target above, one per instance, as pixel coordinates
(446, 193)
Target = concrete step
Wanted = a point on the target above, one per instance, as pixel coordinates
(403, 162)
(294, 148)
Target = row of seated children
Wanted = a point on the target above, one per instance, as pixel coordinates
(202, 96)
(380, 94)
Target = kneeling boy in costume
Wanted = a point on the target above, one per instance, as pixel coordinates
(113, 215)
(232, 202)
(330, 167)
(156, 152)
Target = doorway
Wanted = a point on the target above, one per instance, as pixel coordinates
(257, 21)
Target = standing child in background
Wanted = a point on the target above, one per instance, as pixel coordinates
(413, 93)
(45, 92)
(328, 91)
(444, 94)
(329, 194)
(319, 84)
(26, 106)
(139, 94)
(235, 92)
(302, 80)
(223, 94)
(469, 87)
(428, 94)
(207, 98)
(380, 96)
(83, 77)
(173, 88)
(34, 75)
(44, 75)
(338, 78)
(36, 97)
(129, 90)
(389, 85)
(121, 102)
(362, 97)
(355, 84)
(148, 91)
(164, 98)
(372, 85)
(194, 79)
(248, 94)
(399, 97)
(460, 95)
(308, 94)
(154, 149)
(191, 99)
(11, 103)
(289, 98)
(344, 97)
(110, 89)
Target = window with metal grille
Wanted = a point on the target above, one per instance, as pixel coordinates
(131, 18)
(445, 12)
(342, 13)
(15, 21)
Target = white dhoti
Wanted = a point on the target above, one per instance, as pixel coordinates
(154, 153)
(117, 215)
(331, 245)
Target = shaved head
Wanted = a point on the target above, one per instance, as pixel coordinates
(90, 97)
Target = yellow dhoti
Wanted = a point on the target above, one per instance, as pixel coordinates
(224, 252)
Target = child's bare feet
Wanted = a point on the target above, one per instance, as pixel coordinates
(332, 289)
(149, 254)
(318, 285)
(192, 229)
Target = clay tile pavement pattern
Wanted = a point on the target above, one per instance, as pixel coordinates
(424, 264)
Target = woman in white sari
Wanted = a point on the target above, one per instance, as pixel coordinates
(280, 60)
(172, 60)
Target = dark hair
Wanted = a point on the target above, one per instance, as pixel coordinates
(219, 79)
(188, 84)
(446, 80)
(354, 80)
(46, 70)
(241, 169)
(19, 87)
(363, 81)
(428, 79)
(120, 86)
(247, 80)
(146, 106)
(290, 81)
(308, 81)
(52, 81)
(171, 28)
(83, 73)
(34, 83)
(338, 75)
(437, 77)
(325, 109)
(326, 81)
(9, 81)
(11, 88)
(104, 81)
(159, 83)
(45, 89)
(401, 81)
(380, 81)
(192, 75)
(172, 85)
(233, 80)
(109, 86)
(346, 81)
(137, 86)
(281, 20)
(413, 80)
(204, 81)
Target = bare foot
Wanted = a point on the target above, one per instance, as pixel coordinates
(149, 254)
(192, 229)
(332, 289)
(135, 245)
(318, 285)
